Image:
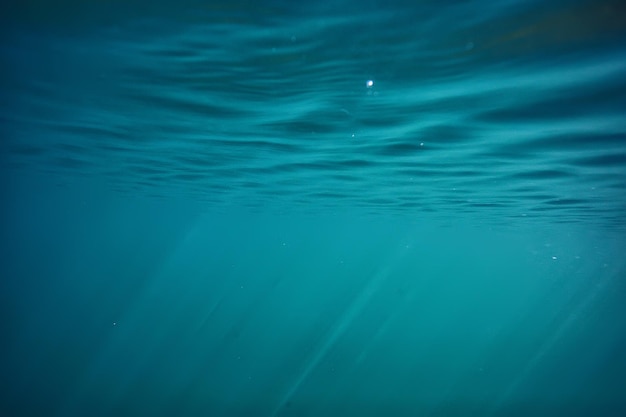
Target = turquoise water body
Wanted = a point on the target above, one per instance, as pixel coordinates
(333, 208)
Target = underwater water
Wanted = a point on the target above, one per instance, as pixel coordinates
(279, 208)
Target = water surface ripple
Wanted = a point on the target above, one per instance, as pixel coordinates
(516, 111)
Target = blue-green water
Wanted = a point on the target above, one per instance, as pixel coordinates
(313, 209)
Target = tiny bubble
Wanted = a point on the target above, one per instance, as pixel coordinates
(369, 83)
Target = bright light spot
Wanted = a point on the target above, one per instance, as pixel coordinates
(369, 83)
(554, 257)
